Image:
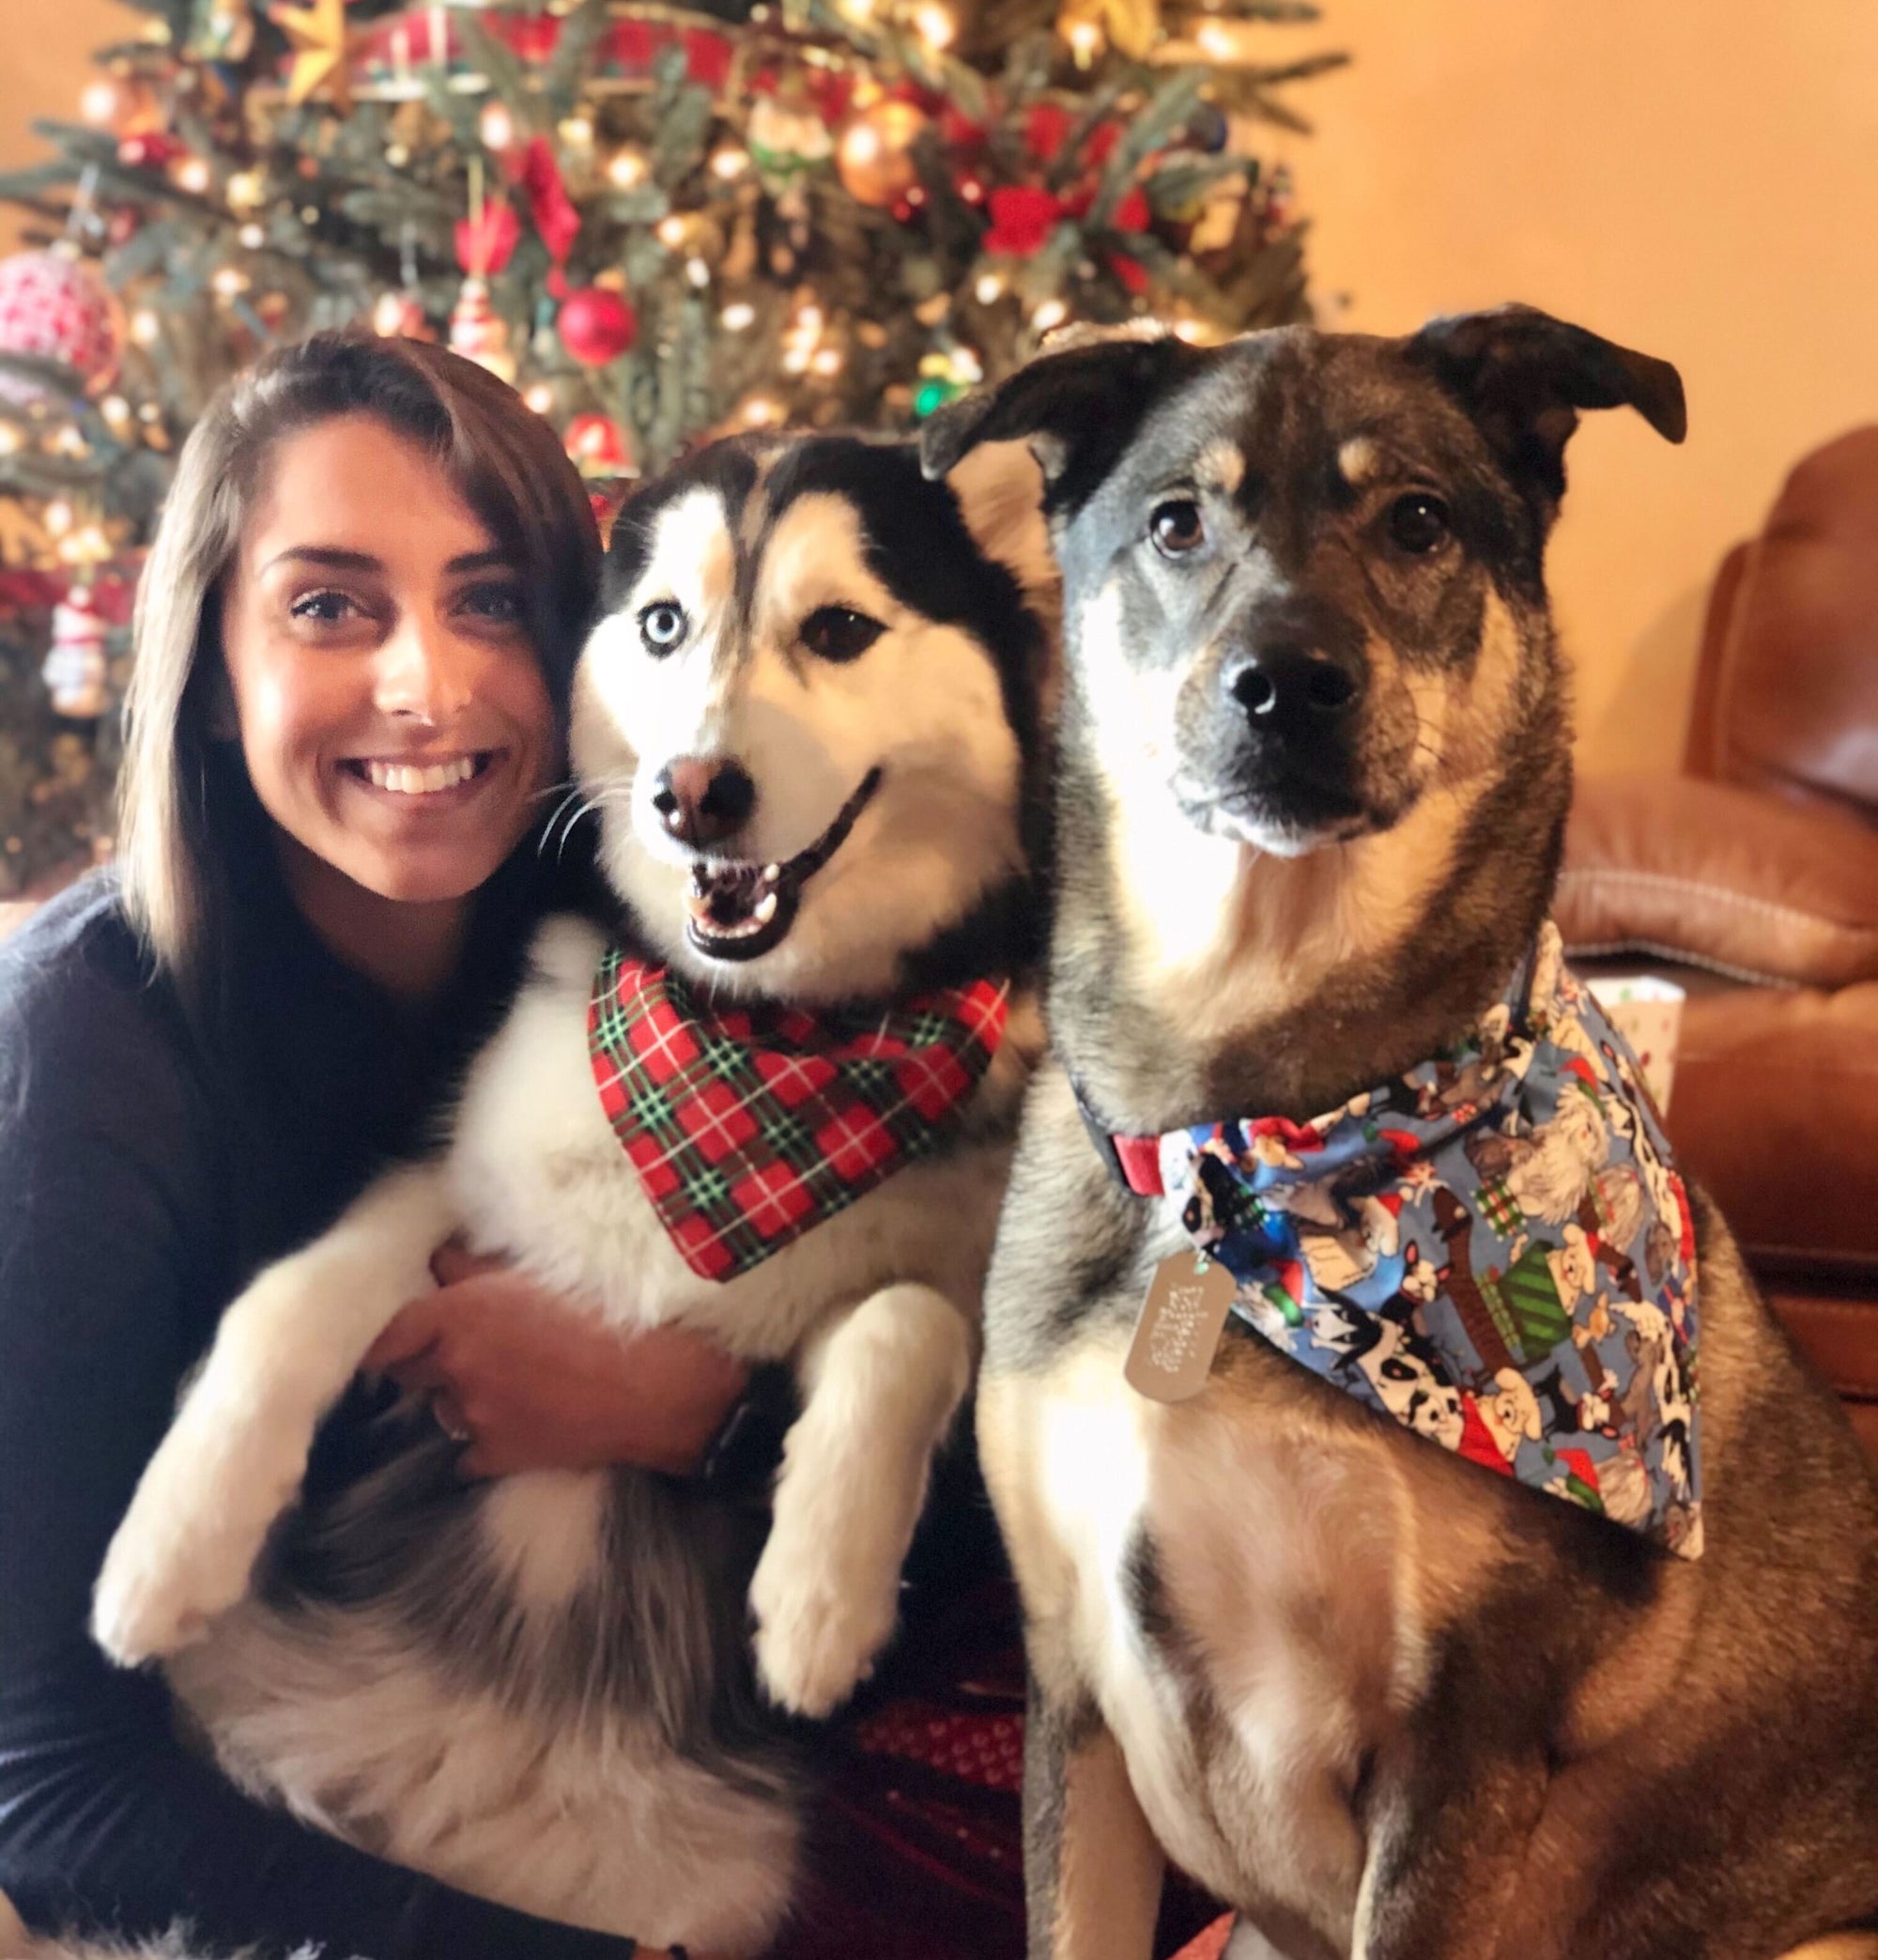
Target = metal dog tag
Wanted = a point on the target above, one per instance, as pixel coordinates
(1179, 1328)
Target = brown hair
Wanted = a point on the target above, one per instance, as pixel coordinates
(174, 835)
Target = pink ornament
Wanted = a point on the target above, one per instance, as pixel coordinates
(479, 333)
(596, 326)
(53, 306)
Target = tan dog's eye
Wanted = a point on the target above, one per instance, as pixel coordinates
(839, 633)
(1419, 523)
(1176, 528)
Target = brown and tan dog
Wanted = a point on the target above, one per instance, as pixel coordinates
(1313, 770)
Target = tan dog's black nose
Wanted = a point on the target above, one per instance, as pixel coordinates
(1286, 691)
(702, 799)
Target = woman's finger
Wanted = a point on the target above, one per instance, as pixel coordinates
(452, 1262)
(413, 1328)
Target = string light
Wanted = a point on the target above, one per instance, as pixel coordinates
(1085, 41)
(627, 169)
(730, 163)
(761, 412)
(989, 289)
(1214, 42)
(827, 362)
(58, 516)
(577, 132)
(252, 237)
(697, 272)
(795, 360)
(496, 126)
(738, 315)
(192, 175)
(115, 411)
(229, 281)
(99, 103)
(1053, 313)
(935, 26)
(671, 232)
(540, 398)
(145, 329)
(246, 189)
(69, 441)
(11, 440)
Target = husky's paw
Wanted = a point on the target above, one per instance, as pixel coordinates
(822, 1619)
(188, 1545)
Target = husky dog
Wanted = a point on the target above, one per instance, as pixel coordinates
(1313, 771)
(807, 720)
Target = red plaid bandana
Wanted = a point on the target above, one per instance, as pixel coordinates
(749, 1125)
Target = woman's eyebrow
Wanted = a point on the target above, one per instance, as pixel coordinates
(329, 555)
(481, 561)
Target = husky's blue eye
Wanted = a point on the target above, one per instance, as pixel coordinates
(839, 633)
(662, 626)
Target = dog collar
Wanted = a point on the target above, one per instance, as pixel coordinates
(1495, 1250)
(749, 1125)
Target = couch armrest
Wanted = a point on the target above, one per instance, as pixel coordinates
(1721, 877)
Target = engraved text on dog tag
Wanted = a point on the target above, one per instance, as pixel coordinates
(1179, 1327)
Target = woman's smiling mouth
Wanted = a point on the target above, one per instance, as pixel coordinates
(420, 777)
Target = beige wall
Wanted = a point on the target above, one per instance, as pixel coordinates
(45, 59)
(1696, 177)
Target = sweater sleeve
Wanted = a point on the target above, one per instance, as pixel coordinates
(107, 1820)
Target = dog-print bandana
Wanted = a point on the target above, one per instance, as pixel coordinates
(749, 1124)
(1496, 1250)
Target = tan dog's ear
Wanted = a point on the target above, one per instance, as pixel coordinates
(1523, 376)
(1077, 406)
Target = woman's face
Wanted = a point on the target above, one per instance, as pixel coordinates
(391, 711)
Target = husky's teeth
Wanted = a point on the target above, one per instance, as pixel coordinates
(765, 908)
(771, 874)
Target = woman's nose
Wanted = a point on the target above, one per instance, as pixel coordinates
(424, 672)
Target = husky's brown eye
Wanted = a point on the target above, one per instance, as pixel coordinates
(1177, 527)
(1419, 523)
(662, 626)
(839, 633)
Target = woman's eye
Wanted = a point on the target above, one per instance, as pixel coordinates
(500, 603)
(1177, 527)
(839, 633)
(327, 607)
(1419, 523)
(662, 626)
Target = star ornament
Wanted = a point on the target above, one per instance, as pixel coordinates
(318, 35)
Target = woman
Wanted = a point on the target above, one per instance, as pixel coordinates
(354, 637)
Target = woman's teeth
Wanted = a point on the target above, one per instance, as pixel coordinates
(407, 782)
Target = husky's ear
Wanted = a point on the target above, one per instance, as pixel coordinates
(1078, 407)
(1524, 376)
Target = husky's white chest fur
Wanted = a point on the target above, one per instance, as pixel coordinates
(363, 1721)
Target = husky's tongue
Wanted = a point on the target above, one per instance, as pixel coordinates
(738, 911)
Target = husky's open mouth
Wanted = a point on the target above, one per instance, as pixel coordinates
(739, 911)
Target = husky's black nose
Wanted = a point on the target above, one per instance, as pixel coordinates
(702, 799)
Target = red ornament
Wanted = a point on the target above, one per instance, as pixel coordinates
(552, 209)
(1022, 219)
(1131, 272)
(150, 150)
(1046, 129)
(596, 326)
(1131, 212)
(598, 445)
(484, 248)
(1100, 144)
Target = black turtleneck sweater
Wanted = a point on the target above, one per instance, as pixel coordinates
(146, 1172)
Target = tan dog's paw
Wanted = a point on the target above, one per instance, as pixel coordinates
(822, 1619)
(187, 1546)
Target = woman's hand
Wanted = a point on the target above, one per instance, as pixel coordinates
(532, 1383)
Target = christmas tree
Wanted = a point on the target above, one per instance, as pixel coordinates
(660, 222)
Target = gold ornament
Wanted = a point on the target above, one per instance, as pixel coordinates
(1133, 26)
(874, 157)
(317, 34)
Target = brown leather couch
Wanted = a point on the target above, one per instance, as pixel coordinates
(1751, 878)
